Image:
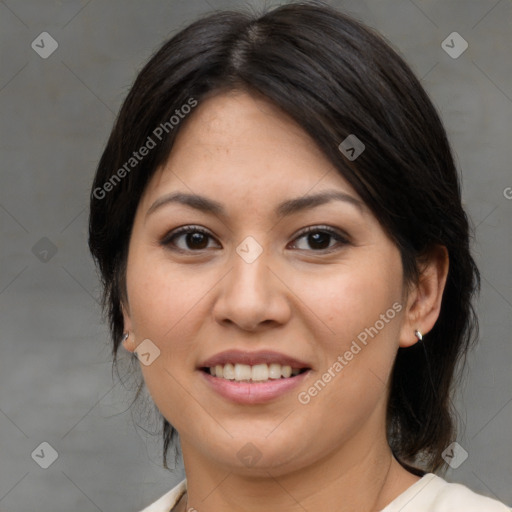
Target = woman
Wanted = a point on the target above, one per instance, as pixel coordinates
(278, 225)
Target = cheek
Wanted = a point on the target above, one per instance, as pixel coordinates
(358, 319)
(162, 297)
(166, 308)
(352, 298)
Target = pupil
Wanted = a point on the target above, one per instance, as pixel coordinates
(197, 240)
(319, 240)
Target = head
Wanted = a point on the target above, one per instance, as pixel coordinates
(249, 111)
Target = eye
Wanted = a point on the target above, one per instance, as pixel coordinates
(188, 238)
(195, 238)
(320, 238)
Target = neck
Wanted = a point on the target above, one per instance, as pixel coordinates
(363, 477)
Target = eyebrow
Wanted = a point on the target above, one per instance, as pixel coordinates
(286, 208)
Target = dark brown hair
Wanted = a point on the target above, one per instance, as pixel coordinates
(334, 77)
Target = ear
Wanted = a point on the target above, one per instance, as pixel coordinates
(129, 343)
(424, 298)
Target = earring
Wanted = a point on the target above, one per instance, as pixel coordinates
(418, 335)
(125, 337)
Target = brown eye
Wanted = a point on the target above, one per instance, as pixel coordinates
(318, 238)
(188, 238)
(196, 240)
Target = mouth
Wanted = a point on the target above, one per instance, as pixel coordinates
(255, 373)
(253, 377)
(261, 366)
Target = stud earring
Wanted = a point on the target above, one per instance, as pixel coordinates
(125, 337)
(418, 335)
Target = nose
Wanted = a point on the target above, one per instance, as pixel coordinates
(252, 296)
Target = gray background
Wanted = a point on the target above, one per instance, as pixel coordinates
(56, 384)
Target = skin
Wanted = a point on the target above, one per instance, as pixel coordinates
(330, 454)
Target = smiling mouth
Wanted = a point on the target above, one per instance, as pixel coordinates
(253, 373)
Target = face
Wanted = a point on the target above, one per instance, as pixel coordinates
(267, 271)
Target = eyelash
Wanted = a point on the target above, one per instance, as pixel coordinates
(167, 240)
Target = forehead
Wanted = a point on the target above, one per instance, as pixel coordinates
(229, 117)
(241, 143)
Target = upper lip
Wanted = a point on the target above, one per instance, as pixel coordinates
(252, 358)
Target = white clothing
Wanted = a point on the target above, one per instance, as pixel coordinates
(429, 494)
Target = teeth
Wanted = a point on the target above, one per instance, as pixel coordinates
(243, 372)
(274, 371)
(258, 372)
(228, 372)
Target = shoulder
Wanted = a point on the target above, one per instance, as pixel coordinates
(166, 502)
(433, 494)
(454, 496)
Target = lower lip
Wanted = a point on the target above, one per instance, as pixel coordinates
(253, 392)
